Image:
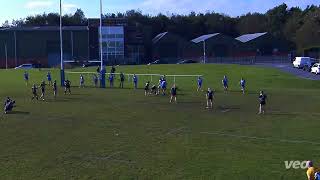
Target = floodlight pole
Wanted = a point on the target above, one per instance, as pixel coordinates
(103, 70)
(204, 52)
(62, 75)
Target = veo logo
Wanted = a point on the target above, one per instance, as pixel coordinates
(296, 164)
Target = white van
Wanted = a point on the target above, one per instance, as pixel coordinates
(304, 62)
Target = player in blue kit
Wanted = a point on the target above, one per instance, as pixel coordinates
(111, 80)
(199, 82)
(49, 79)
(26, 77)
(225, 83)
(135, 81)
(164, 86)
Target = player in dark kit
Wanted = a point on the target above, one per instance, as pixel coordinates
(67, 86)
(121, 80)
(55, 89)
(147, 88)
(210, 96)
(95, 80)
(262, 101)
(154, 90)
(81, 81)
(9, 104)
(43, 89)
(243, 85)
(173, 92)
(34, 92)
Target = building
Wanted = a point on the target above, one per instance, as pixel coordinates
(171, 48)
(262, 44)
(41, 45)
(122, 43)
(216, 45)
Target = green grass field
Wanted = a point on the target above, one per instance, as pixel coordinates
(121, 134)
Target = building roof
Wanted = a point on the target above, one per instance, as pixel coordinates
(46, 28)
(158, 37)
(204, 37)
(249, 37)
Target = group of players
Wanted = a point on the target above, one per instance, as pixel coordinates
(53, 84)
(160, 88)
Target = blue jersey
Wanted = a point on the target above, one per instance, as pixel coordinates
(135, 79)
(111, 78)
(49, 77)
(164, 84)
(26, 76)
(225, 82)
(199, 82)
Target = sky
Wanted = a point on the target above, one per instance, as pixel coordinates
(16, 9)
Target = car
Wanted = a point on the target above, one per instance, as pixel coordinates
(304, 63)
(316, 68)
(187, 62)
(25, 66)
(90, 64)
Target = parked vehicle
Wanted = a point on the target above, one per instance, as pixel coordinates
(316, 68)
(187, 62)
(25, 66)
(304, 63)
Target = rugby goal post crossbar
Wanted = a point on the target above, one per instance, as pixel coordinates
(131, 74)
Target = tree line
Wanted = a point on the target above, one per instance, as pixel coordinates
(301, 27)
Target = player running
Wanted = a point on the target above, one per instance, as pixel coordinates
(43, 89)
(34, 92)
(95, 80)
(199, 82)
(262, 100)
(49, 78)
(243, 85)
(26, 77)
(135, 81)
(121, 80)
(225, 83)
(67, 86)
(147, 88)
(55, 88)
(173, 92)
(81, 81)
(210, 96)
(9, 104)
